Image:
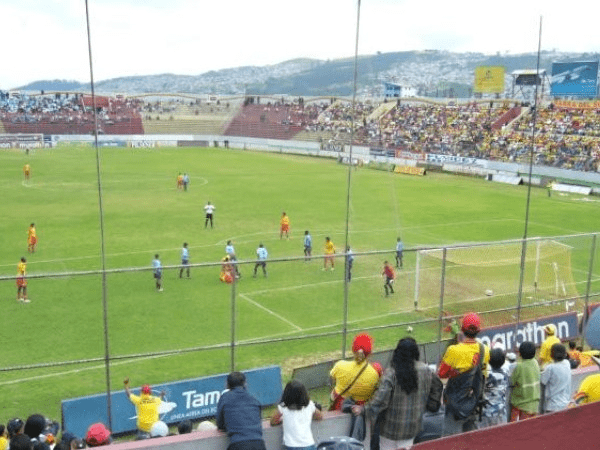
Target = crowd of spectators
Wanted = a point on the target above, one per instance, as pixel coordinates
(68, 114)
(565, 137)
(391, 407)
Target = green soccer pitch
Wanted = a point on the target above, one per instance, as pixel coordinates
(145, 214)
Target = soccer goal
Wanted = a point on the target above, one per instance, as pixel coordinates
(492, 270)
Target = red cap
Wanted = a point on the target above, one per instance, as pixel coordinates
(97, 434)
(146, 389)
(471, 322)
(363, 342)
(377, 367)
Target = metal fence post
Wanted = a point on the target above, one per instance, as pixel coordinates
(441, 310)
(233, 317)
(589, 282)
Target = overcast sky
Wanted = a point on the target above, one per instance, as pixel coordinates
(46, 39)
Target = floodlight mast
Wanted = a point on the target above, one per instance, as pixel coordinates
(352, 126)
(528, 202)
(101, 217)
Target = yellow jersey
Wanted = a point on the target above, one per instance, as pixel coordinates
(329, 248)
(344, 372)
(545, 357)
(21, 268)
(147, 410)
(460, 357)
(589, 390)
(31, 232)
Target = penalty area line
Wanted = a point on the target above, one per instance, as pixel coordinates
(273, 313)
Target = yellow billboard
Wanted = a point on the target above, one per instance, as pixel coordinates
(489, 79)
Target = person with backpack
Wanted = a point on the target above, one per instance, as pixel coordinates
(464, 365)
(356, 379)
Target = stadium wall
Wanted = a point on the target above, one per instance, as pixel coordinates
(473, 166)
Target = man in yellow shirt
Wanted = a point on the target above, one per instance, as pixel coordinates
(22, 281)
(551, 339)
(329, 252)
(31, 238)
(589, 390)
(459, 359)
(284, 226)
(146, 406)
(356, 379)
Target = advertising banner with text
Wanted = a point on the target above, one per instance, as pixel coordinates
(187, 399)
(567, 327)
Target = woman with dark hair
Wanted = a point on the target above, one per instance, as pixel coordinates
(406, 389)
(296, 411)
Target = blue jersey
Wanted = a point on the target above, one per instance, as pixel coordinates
(185, 255)
(230, 250)
(399, 247)
(262, 253)
(307, 240)
(157, 266)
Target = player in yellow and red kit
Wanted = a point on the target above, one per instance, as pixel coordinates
(31, 238)
(284, 226)
(26, 171)
(22, 281)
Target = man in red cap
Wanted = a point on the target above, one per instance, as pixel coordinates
(459, 359)
(356, 379)
(146, 406)
(97, 435)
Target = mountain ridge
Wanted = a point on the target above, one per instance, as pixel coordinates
(427, 71)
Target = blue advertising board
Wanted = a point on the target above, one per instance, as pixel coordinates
(504, 336)
(188, 399)
(578, 79)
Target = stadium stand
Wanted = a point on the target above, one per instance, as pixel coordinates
(176, 116)
(69, 114)
(271, 121)
(567, 134)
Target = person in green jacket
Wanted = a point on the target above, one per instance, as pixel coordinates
(525, 384)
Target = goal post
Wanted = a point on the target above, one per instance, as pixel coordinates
(492, 271)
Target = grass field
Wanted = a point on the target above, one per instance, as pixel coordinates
(145, 214)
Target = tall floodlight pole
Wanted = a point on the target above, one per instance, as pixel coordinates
(531, 153)
(101, 216)
(346, 268)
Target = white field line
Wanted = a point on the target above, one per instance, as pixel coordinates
(273, 313)
(69, 372)
(546, 225)
(302, 286)
(237, 238)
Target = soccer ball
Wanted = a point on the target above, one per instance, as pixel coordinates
(409, 329)
(489, 292)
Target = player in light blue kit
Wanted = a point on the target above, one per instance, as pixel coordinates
(399, 251)
(262, 254)
(185, 260)
(157, 266)
(230, 250)
(307, 246)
